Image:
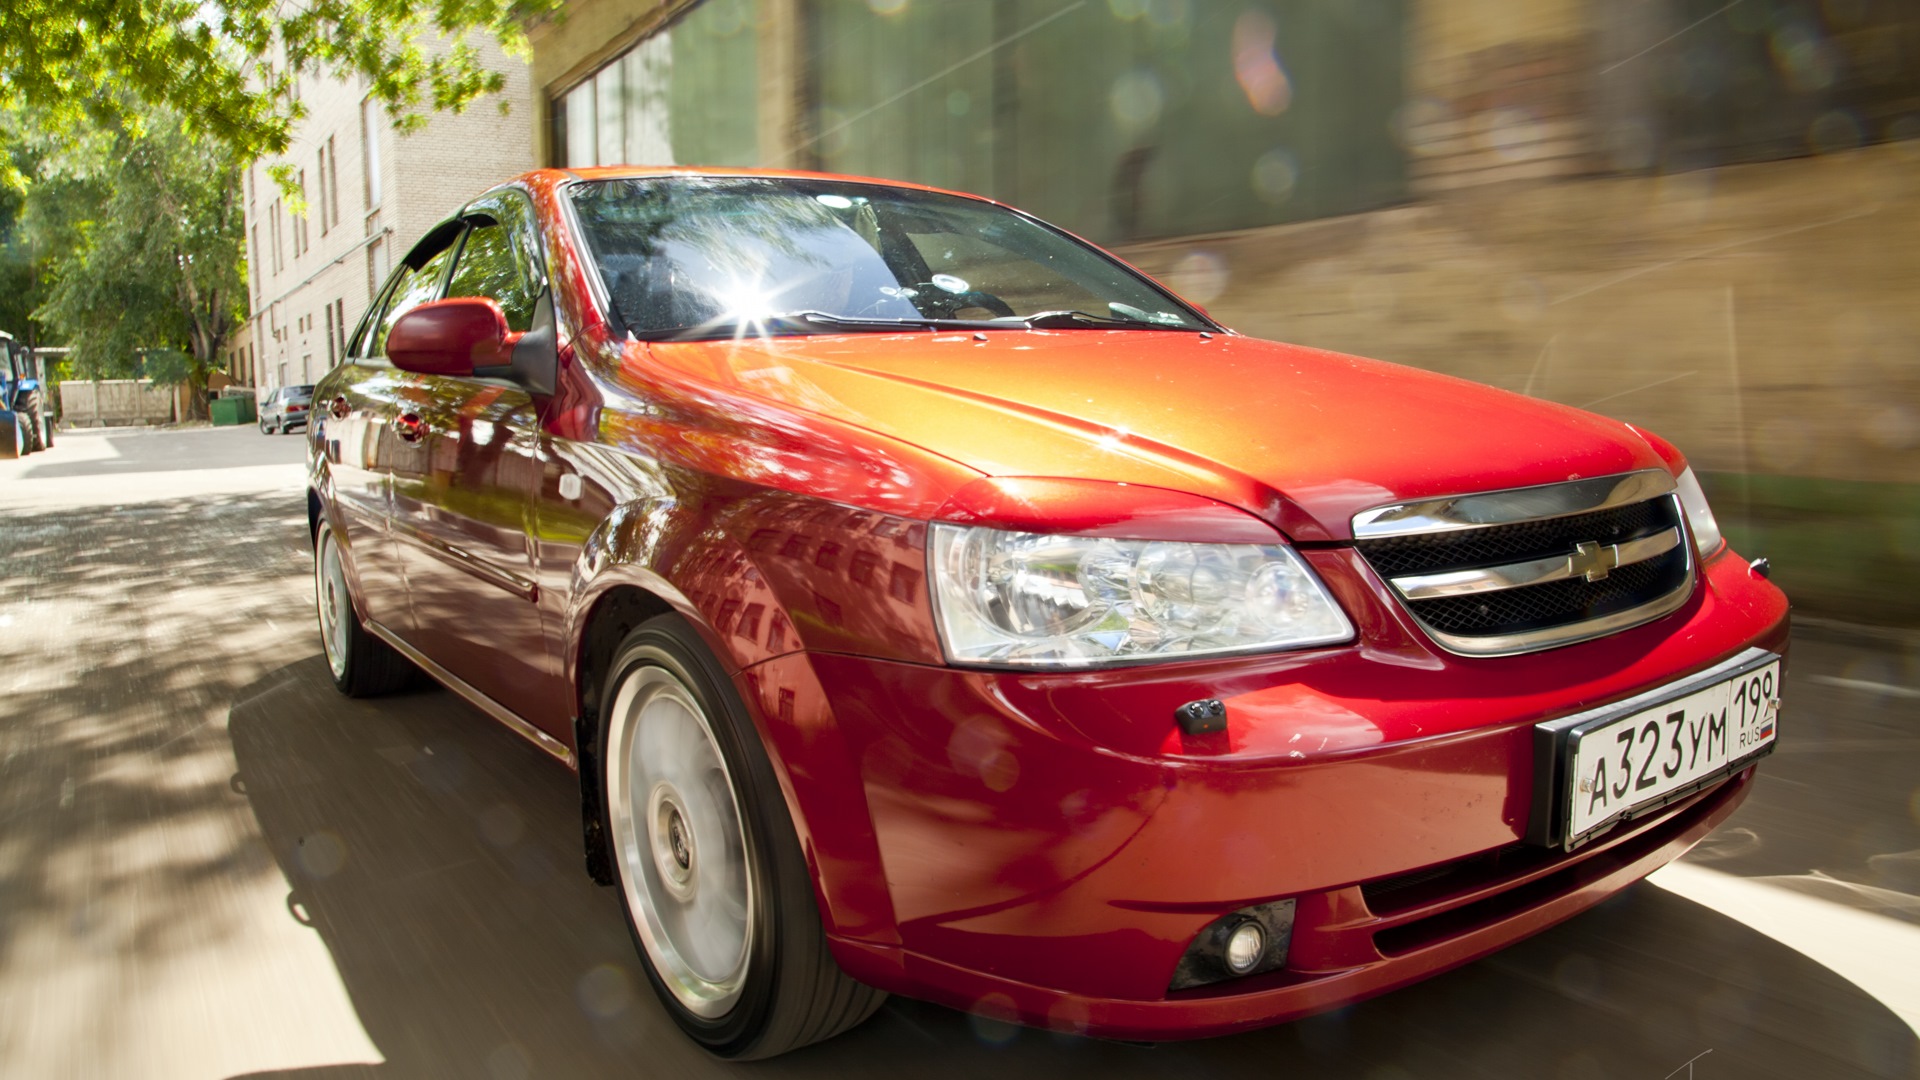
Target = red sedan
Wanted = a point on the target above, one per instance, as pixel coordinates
(930, 603)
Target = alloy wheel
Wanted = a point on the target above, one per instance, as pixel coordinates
(679, 841)
(333, 601)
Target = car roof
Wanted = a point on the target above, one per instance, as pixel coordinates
(541, 177)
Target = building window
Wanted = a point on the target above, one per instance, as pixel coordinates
(340, 326)
(377, 266)
(276, 235)
(370, 151)
(331, 359)
(333, 180)
(254, 256)
(300, 220)
(321, 174)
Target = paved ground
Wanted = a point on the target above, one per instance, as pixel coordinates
(213, 866)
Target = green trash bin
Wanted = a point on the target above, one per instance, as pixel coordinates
(228, 411)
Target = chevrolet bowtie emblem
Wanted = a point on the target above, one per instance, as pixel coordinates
(1592, 560)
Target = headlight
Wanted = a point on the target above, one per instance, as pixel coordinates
(1706, 531)
(1039, 600)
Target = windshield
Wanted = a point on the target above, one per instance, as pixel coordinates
(688, 257)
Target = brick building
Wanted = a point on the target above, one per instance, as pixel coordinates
(368, 189)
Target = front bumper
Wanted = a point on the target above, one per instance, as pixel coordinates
(1045, 846)
(1343, 950)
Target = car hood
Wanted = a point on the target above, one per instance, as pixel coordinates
(1301, 437)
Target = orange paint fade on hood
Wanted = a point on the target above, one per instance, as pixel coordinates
(1300, 437)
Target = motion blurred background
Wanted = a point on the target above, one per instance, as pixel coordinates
(1693, 215)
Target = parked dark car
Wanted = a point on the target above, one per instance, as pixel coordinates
(931, 603)
(285, 408)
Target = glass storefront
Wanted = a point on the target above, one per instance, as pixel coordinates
(685, 95)
(1119, 119)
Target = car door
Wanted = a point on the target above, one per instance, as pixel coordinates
(357, 437)
(463, 526)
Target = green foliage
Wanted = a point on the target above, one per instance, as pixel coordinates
(141, 233)
(229, 69)
(20, 287)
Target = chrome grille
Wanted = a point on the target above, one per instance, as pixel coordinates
(1496, 544)
(1555, 603)
(1508, 572)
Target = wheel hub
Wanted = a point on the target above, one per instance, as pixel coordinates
(672, 841)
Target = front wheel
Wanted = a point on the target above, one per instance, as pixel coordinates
(716, 890)
(362, 665)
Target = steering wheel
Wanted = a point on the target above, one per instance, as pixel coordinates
(945, 303)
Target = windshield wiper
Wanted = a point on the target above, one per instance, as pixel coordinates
(1065, 319)
(808, 321)
(822, 318)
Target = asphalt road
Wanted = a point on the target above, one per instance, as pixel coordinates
(211, 865)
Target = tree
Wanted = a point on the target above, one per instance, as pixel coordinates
(228, 68)
(141, 231)
(21, 288)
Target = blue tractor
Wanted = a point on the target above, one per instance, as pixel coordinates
(26, 425)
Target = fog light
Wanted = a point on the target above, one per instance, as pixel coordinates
(1245, 947)
(1240, 943)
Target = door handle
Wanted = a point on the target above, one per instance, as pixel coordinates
(410, 426)
(339, 408)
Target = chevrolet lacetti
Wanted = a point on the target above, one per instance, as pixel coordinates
(932, 604)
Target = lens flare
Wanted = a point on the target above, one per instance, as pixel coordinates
(1256, 64)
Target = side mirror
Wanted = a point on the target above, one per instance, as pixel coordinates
(451, 337)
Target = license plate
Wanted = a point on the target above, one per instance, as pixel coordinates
(1624, 760)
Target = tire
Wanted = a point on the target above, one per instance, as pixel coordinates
(708, 867)
(47, 426)
(36, 429)
(362, 665)
(264, 429)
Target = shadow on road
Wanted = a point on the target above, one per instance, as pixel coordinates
(437, 857)
(106, 732)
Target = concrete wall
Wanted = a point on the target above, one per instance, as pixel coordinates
(1762, 317)
(116, 403)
